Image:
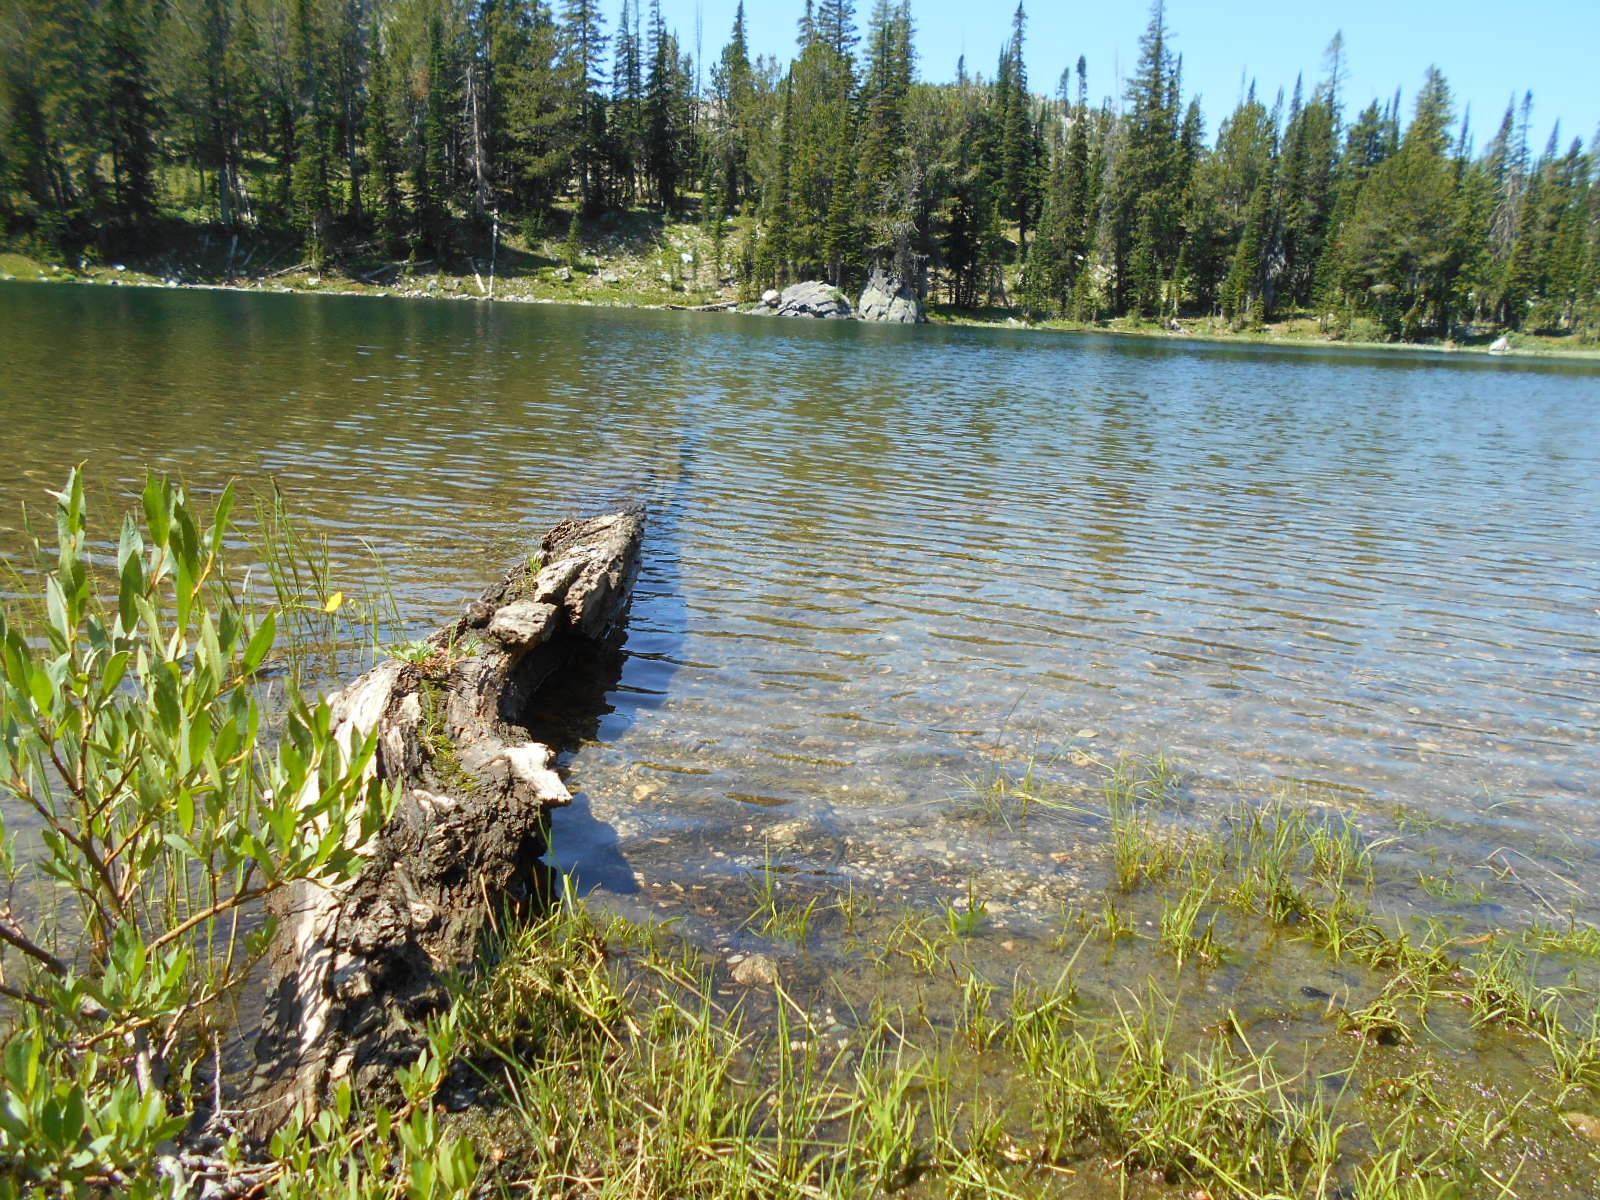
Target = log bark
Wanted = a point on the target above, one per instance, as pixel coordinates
(356, 969)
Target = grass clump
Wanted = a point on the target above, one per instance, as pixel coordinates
(777, 918)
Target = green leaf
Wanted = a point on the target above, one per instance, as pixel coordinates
(55, 602)
(115, 669)
(224, 512)
(157, 508)
(260, 642)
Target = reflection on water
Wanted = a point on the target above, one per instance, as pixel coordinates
(884, 560)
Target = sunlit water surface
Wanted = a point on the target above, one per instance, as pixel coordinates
(883, 563)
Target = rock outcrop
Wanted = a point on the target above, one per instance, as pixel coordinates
(890, 300)
(356, 968)
(813, 299)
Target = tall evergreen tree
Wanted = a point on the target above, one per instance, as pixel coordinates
(628, 124)
(540, 133)
(835, 26)
(733, 95)
(1019, 147)
(131, 113)
(887, 182)
(383, 148)
(667, 105)
(1144, 222)
(311, 166)
(583, 58)
(1402, 244)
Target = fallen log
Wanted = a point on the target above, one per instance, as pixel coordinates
(356, 969)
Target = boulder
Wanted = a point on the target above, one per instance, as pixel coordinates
(890, 300)
(813, 300)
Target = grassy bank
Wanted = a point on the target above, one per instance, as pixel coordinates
(639, 259)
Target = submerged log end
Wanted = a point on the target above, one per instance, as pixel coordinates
(356, 969)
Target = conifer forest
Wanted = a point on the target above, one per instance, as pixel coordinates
(436, 128)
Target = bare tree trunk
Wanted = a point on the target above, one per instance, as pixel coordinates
(357, 968)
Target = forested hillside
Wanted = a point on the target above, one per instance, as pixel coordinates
(437, 128)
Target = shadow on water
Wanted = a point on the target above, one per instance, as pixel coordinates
(573, 706)
(601, 698)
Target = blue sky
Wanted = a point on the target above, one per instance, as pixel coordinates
(1486, 51)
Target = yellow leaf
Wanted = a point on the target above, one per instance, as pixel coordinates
(335, 603)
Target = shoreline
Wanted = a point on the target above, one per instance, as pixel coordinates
(529, 288)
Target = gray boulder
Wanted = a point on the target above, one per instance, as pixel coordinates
(888, 299)
(813, 300)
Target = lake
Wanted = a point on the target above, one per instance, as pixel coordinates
(888, 567)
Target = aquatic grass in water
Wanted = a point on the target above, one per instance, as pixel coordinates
(965, 922)
(1142, 849)
(1009, 795)
(334, 621)
(775, 917)
(606, 1067)
(633, 1068)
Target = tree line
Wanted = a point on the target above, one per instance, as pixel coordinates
(426, 127)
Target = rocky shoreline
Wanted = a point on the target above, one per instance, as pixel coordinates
(813, 300)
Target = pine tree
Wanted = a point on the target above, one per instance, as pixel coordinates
(886, 183)
(383, 152)
(822, 84)
(540, 133)
(841, 233)
(1079, 200)
(131, 113)
(435, 188)
(46, 106)
(666, 111)
(310, 167)
(1144, 224)
(583, 57)
(1369, 142)
(1220, 196)
(203, 96)
(733, 92)
(1305, 188)
(1244, 298)
(628, 125)
(835, 26)
(1402, 242)
(572, 248)
(1019, 150)
(774, 261)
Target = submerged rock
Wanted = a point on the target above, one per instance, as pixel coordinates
(1582, 1124)
(813, 300)
(890, 300)
(755, 971)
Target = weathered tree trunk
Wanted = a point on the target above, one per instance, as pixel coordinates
(356, 969)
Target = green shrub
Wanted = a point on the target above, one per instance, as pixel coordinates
(132, 733)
